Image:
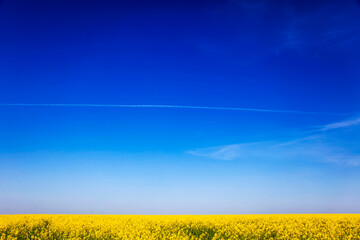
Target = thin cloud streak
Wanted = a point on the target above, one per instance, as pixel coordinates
(314, 150)
(342, 124)
(162, 106)
(317, 148)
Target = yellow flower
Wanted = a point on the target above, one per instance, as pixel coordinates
(302, 226)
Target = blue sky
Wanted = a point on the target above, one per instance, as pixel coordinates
(299, 59)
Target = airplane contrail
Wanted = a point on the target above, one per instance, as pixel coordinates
(162, 106)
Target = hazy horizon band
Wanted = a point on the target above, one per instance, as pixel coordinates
(164, 106)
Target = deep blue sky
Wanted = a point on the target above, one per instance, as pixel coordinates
(281, 55)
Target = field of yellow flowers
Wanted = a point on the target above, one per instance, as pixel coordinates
(299, 226)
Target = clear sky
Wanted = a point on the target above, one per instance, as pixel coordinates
(299, 57)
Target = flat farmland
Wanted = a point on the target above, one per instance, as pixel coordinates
(286, 226)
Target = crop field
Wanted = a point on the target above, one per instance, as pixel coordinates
(298, 226)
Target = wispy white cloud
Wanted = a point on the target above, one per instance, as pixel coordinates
(316, 148)
(342, 124)
(242, 151)
(302, 150)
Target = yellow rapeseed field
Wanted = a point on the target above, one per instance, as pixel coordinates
(298, 226)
